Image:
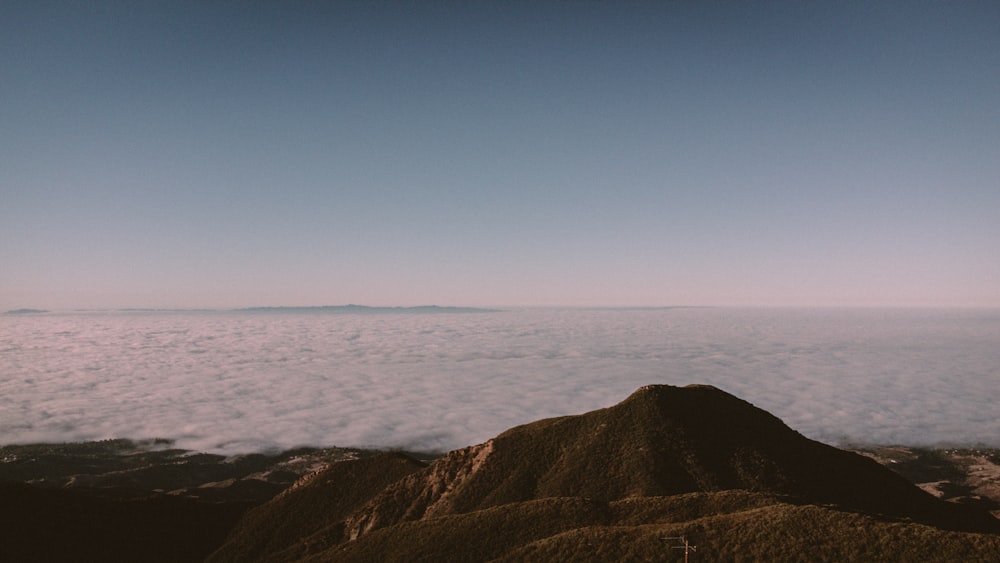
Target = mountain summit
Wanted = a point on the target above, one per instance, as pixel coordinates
(662, 458)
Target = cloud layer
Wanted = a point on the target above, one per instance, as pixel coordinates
(237, 382)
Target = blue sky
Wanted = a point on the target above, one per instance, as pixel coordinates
(216, 154)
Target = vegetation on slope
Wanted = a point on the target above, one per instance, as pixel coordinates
(613, 483)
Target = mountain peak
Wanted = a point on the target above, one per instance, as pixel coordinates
(659, 443)
(661, 440)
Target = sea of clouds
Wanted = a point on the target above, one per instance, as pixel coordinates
(239, 381)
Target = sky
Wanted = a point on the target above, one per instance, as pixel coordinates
(228, 154)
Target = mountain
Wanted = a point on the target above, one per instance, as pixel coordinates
(612, 484)
(367, 310)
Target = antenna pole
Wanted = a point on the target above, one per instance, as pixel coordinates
(687, 547)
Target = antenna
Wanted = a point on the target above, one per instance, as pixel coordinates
(687, 547)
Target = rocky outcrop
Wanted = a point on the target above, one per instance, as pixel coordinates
(310, 516)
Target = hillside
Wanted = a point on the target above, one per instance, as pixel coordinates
(612, 484)
(119, 500)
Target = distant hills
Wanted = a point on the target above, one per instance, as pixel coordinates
(365, 309)
(613, 484)
(321, 309)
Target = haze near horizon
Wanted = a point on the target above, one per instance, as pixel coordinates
(187, 154)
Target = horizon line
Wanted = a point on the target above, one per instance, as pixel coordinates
(468, 308)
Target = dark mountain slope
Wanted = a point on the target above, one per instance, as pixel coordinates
(316, 503)
(778, 532)
(747, 527)
(610, 485)
(492, 533)
(44, 524)
(661, 440)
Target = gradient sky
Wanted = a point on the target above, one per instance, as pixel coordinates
(217, 154)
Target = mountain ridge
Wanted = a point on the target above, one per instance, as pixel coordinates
(628, 466)
(661, 440)
(366, 309)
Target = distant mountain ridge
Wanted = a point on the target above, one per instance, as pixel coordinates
(365, 309)
(319, 309)
(610, 484)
